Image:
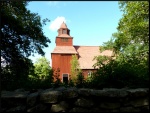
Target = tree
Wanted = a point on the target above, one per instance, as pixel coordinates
(75, 67)
(21, 36)
(131, 41)
(41, 76)
(42, 68)
(15, 76)
(133, 28)
(21, 31)
(130, 45)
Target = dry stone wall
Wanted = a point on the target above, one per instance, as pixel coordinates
(76, 100)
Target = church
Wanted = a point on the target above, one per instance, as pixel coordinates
(62, 54)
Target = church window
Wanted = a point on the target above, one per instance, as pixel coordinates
(64, 31)
(64, 39)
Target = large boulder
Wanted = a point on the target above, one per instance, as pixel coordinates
(32, 99)
(70, 93)
(82, 102)
(60, 107)
(50, 96)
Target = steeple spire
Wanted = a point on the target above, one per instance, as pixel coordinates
(63, 38)
(63, 30)
(63, 25)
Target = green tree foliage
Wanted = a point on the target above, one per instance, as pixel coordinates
(42, 68)
(133, 29)
(75, 67)
(80, 81)
(21, 36)
(42, 77)
(15, 77)
(130, 45)
(21, 31)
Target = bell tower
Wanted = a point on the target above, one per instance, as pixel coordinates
(64, 38)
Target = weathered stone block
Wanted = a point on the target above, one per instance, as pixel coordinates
(50, 96)
(38, 108)
(109, 93)
(84, 92)
(129, 109)
(84, 102)
(32, 99)
(109, 105)
(13, 99)
(140, 102)
(78, 109)
(70, 93)
(17, 109)
(138, 92)
(61, 107)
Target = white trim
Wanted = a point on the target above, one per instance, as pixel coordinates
(63, 76)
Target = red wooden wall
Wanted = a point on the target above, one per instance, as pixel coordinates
(62, 61)
(60, 43)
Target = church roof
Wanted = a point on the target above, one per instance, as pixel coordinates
(64, 35)
(65, 50)
(63, 25)
(87, 54)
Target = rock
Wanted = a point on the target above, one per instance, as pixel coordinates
(13, 99)
(145, 108)
(50, 96)
(17, 109)
(61, 107)
(82, 102)
(32, 99)
(8, 94)
(33, 90)
(129, 109)
(38, 108)
(78, 109)
(138, 92)
(109, 105)
(95, 109)
(41, 107)
(140, 102)
(20, 90)
(84, 92)
(61, 88)
(70, 92)
(109, 93)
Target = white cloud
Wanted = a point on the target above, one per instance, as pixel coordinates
(53, 3)
(56, 23)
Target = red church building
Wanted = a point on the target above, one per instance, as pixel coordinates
(62, 54)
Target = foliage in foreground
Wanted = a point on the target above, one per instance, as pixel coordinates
(21, 37)
(129, 65)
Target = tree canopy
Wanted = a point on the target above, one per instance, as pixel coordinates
(42, 68)
(130, 44)
(21, 36)
(75, 67)
(132, 37)
(21, 31)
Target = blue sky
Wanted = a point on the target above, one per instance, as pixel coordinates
(90, 22)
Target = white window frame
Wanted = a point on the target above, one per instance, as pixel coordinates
(63, 76)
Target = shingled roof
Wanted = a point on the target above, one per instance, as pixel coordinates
(65, 50)
(64, 36)
(87, 54)
(63, 25)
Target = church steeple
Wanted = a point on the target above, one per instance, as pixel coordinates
(63, 29)
(63, 25)
(64, 38)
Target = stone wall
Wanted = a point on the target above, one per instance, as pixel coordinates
(76, 100)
